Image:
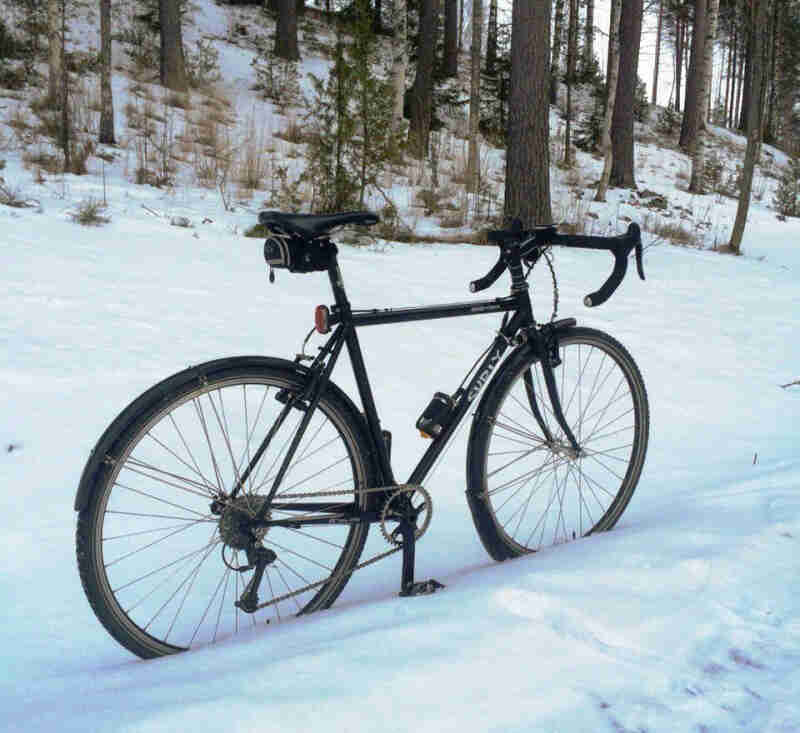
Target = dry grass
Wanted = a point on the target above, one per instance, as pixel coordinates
(673, 232)
(89, 213)
(292, 133)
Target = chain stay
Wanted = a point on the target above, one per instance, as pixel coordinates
(376, 558)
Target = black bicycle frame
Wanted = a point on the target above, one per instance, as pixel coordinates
(347, 320)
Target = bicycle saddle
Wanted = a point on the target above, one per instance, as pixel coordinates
(313, 225)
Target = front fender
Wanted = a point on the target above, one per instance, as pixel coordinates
(521, 353)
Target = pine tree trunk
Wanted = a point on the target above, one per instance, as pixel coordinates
(611, 97)
(756, 51)
(679, 41)
(572, 52)
(106, 132)
(694, 102)
(555, 64)
(172, 66)
(697, 183)
(460, 25)
(66, 122)
(450, 61)
(654, 93)
(491, 39)
(712, 21)
(734, 71)
(728, 82)
(399, 57)
(747, 83)
(588, 45)
(286, 31)
(421, 97)
(475, 93)
(54, 44)
(630, 33)
(527, 194)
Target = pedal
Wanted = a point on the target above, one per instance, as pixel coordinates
(422, 588)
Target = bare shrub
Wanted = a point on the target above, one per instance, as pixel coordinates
(673, 232)
(43, 160)
(13, 196)
(251, 165)
(89, 213)
(292, 133)
(176, 99)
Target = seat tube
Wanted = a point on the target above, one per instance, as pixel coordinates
(360, 371)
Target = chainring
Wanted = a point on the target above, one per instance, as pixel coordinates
(393, 509)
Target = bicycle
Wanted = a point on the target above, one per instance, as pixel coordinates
(270, 465)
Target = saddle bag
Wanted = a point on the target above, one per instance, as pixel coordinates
(297, 254)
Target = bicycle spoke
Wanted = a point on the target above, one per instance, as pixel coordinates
(151, 544)
(159, 499)
(203, 484)
(139, 466)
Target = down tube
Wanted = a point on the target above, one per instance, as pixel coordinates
(487, 367)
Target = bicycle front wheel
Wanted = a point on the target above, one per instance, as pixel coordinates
(527, 491)
(159, 567)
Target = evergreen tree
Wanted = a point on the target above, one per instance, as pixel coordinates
(787, 195)
(351, 132)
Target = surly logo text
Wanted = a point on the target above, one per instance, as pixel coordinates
(483, 376)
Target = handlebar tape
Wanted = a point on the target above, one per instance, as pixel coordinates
(620, 247)
(489, 279)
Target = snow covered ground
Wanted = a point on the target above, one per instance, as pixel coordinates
(685, 617)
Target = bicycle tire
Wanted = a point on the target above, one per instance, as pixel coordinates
(150, 550)
(525, 493)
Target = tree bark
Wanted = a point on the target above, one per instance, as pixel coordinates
(572, 52)
(555, 64)
(679, 41)
(734, 73)
(694, 101)
(712, 21)
(588, 45)
(475, 93)
(491, 39)
(54, 46)
(630, 33)
(697, 183)
(173, 65)
(421, 97)
(611, 97)
(654, 92)
(527, 193)
(450, 61)
(399, 57)
(747, 84)
(106, 132)
(756, 50)
(286, 31)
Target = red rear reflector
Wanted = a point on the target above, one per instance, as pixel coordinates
(321, 319)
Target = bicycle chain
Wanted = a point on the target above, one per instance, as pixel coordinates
(376, 558)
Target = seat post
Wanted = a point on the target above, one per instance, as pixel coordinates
(337, 285)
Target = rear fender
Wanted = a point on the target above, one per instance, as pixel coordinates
(164, 389)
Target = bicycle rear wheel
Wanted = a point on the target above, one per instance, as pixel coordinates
(527, 492)
(157, 565)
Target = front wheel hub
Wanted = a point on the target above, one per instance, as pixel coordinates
(235, 528)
